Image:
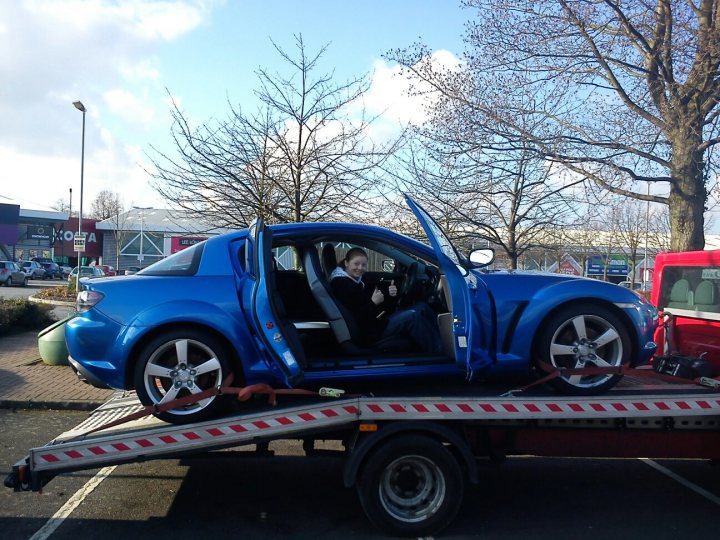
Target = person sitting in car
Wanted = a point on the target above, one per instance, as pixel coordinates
(416, 322)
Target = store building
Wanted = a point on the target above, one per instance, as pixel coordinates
(26, 232)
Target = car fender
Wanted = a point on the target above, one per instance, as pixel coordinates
(230, 326)
(550, 298)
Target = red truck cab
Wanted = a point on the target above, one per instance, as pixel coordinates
(686, 289)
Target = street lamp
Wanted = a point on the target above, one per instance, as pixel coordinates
(80, 107)
(142, 209)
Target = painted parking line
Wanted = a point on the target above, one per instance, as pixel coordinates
(694, 487)
(72, 503)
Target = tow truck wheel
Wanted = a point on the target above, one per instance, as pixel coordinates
(412, 486)
(584, 336)
(180, 363)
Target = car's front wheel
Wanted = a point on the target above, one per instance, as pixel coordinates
(584, 336)
(180, 363)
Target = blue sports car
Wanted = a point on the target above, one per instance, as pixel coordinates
(258, 303)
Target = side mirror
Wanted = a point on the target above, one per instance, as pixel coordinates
(482, 257)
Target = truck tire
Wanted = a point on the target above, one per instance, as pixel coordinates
(411, 486)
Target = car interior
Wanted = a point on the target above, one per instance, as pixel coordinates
(690, 288)
(322, 333)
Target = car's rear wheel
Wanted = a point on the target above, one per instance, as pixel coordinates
(180, 363)
(9, 282)
(584, 336)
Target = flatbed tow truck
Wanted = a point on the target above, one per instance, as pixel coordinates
(408, 454)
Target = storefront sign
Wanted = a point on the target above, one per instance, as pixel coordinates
(39, 232)
(178, 243)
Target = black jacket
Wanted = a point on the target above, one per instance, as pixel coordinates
(355, 298)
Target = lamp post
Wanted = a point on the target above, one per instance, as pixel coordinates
(80, 107)
(142, 209)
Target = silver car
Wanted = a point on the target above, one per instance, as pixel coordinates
(33, 270)
(11, 274)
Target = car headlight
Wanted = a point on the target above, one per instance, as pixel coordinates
(87, 299)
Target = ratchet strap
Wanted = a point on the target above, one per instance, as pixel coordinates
(553, 372)
(243, 393)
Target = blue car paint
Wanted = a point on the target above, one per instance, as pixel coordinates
(221, 296)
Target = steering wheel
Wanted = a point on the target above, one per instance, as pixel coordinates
(409, 282)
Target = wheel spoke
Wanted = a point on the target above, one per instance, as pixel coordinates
(170, 395)
(609, 335)
(158, 371)
(558, 349)
(579, 325)
(212, 364)
(601, 362)
(181, 350)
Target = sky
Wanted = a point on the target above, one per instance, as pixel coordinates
(125, 59)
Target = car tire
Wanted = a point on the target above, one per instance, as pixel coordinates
(411, 486)
(9, 282)
(25, 282)
(160, 374)
(605, 342)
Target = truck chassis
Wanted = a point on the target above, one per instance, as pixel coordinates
(408, 456)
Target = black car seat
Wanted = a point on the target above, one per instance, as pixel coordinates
(342, 322)
(329, 259)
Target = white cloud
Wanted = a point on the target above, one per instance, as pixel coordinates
(395, 95)
(102, 52)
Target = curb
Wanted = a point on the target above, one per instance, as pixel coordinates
(51, 302)
(50, 405)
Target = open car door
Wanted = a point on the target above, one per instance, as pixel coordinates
(269, 326)
(471, 346)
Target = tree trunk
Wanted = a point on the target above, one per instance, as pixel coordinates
(687, 196)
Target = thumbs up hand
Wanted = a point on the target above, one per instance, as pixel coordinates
(392, 289)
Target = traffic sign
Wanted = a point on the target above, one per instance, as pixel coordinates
(79, 242)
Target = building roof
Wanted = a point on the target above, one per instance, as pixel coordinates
(35, 212)
(158, 220)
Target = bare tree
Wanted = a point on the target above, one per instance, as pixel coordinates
(640, 83)
(61, 205)
(301, 156)
(628, 219)
(106, 205)
(489, 184)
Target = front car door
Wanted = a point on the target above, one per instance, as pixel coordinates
(467, 327)
(267, 322)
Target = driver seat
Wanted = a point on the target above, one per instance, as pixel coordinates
(342, 323)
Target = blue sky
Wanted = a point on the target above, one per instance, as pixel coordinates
(119, 57)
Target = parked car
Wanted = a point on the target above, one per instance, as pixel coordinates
(11, 274)
(256, 303)
(52, 270)
(33, 269)
(109, 270)
(637, 285)
(132, 270)
(86, 272)
(65, 271)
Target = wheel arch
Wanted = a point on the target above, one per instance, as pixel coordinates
(441, 433)
(615, 310)
(173, 326)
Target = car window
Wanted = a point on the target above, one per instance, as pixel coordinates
(676, 279)
(182, 263)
